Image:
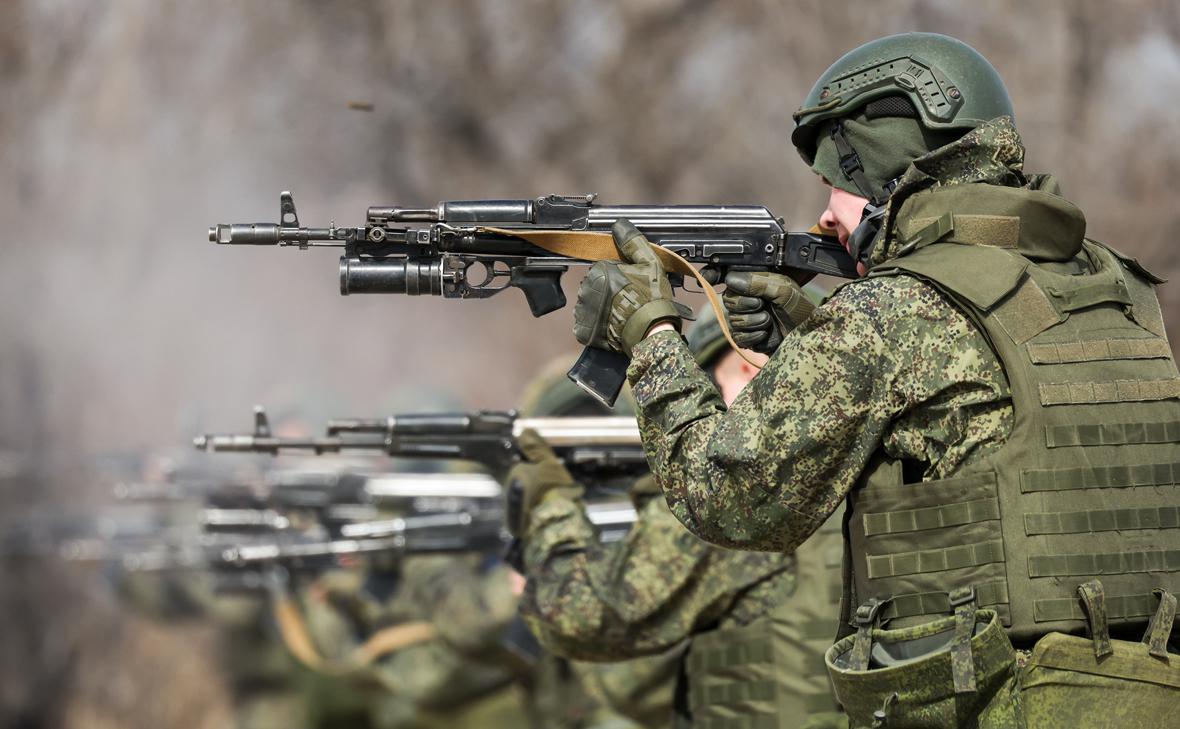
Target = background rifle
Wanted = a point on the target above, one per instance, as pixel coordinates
(595, 449)
(473, 249)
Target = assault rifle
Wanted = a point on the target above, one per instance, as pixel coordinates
(474, 249)
(264, 541)
(597, 450)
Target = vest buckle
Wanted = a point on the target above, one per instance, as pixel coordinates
(866, 618)
(867, 615)
(961, 596)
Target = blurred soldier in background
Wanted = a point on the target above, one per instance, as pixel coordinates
(478, 666)
(268, 687)
(640, 689)
(745, 631)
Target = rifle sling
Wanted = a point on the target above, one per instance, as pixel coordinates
(595, 246)
(298, 640)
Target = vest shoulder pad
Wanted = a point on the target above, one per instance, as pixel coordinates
(1131, 264)
(980, 274)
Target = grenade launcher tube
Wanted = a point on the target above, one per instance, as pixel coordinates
(390, 276)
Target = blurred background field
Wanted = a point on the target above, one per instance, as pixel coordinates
(129, 126)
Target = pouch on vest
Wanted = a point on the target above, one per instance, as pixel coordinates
(910, 679)
(1098, 682)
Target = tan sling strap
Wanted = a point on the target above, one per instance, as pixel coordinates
(597, 246)
(298, 640)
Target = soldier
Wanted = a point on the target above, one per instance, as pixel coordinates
(610, 695)
(744, 631)
(996, 400)
(474, 669)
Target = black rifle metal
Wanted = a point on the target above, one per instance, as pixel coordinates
(596, 450)
(448, 251)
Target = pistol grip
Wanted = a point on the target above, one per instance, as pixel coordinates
(601, 373)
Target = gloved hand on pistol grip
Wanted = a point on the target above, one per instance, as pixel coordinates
(619, 302)
(762, 307)
(540, 474)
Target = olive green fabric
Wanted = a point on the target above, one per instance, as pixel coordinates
(991, 154)
(641, 689)
(886, 146)
(1063, 684)
(920, 691)
(771, 672)
(948, 82)
(1090, 372)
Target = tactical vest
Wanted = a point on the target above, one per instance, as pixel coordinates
(1085, 485)
(771, 673)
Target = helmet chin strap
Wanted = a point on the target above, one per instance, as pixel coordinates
(863, 238)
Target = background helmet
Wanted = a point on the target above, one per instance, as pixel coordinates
(947, 82)
(705, 339)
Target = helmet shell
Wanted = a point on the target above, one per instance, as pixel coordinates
(950, 84)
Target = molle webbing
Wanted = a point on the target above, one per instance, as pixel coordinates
(1118, 607)
(1095, 350)
(1100, 434)
(936, 560)
(1099, 477)
(988, 594)
(1092, 393)
(1108, 563)
(1085, 484)
(1102, 520)
(934, 517)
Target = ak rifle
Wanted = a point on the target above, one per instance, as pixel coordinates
(474, 249)
(596, 449)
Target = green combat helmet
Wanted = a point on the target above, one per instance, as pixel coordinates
(886, 103)
(705, 339)
(950, 85)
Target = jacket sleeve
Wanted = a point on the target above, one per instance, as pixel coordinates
(885, 364)
(639, 596)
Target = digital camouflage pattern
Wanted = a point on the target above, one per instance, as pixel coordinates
(641, 689)
(443, 680)
(885, 364)
(642, 595)
(921, 692)
(465, 676)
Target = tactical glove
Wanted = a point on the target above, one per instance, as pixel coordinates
(762, 307)
(619, 302)
(529, 482)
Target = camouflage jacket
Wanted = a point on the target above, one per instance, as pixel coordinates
(885, 365)
(643, 594)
